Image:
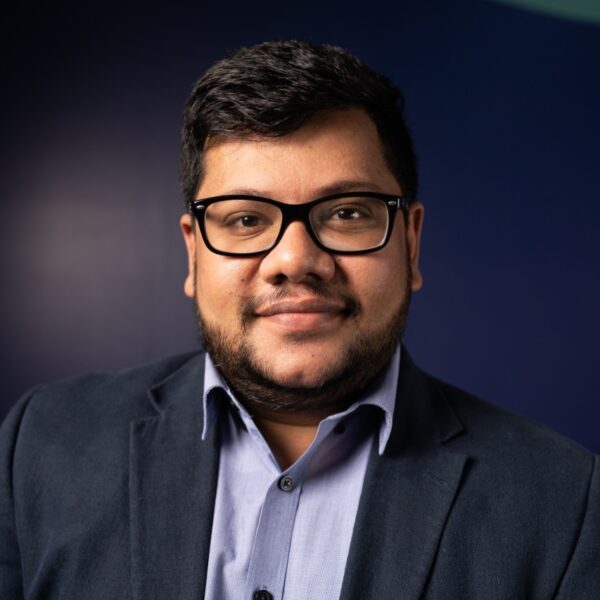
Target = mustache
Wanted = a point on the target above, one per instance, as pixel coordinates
(315, 289)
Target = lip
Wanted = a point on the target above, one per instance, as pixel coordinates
(302, 306)
(303, 314)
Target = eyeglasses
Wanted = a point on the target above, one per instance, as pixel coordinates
(349, 223)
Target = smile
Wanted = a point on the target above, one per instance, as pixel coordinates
(303, 314)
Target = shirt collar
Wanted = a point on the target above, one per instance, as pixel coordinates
(382, 395)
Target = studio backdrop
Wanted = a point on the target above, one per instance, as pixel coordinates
(502, 98)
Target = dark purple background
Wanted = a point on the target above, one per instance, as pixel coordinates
(505, 108)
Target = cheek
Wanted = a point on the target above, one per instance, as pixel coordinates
(378, 280)
(378, 285)
(221, 285)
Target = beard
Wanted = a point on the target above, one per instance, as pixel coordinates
(358, 366)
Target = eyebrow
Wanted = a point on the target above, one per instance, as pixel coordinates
(337, 187)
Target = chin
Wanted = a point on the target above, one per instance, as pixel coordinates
(305, 374)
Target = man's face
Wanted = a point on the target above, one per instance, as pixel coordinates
(297, 313)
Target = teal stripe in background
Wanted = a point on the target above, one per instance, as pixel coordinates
(587, 11)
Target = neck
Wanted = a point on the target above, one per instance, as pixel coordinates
(288, 435)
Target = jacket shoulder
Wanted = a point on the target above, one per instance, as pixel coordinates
(491, 430)
(536, 474)
(89, 404)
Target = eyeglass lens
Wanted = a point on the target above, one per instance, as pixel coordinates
(346, 224)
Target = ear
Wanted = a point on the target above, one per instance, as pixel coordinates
(187, 224)
(416, 213)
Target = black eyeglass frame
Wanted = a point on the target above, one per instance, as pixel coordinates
(299, 212)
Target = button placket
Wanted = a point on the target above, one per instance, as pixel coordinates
(270, 550)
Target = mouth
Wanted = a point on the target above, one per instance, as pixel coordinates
(303, 314)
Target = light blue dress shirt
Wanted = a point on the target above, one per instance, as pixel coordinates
(286, 534)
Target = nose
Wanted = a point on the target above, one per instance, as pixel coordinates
(297, 258)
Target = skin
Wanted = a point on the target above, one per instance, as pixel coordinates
(298, 342)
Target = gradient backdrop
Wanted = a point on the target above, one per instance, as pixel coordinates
(504, 103)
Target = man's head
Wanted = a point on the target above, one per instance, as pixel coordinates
(299, 327)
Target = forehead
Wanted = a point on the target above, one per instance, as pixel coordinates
(335, 151)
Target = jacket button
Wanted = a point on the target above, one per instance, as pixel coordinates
(286, 483)
(262, 595)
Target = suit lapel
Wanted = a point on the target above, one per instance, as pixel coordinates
(407, 495)
(172, 483)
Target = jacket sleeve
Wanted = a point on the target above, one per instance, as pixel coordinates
(11, 583)
(581, 580)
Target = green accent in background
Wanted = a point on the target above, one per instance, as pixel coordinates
(578, 10)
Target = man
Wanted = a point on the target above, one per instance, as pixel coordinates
(305, 456)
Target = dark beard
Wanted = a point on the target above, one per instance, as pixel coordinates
(360, 365)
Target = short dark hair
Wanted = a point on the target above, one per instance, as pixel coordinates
(275, 88)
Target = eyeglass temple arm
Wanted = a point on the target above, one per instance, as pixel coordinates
(400, 202)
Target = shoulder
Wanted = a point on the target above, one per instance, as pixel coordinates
(512, 463)
(487, 433)
(120, 385)
(492, 432)
(89, 405)
(536, 478)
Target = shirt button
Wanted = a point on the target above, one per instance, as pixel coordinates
(286, 483)
(262, 595)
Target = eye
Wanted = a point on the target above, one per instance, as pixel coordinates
(249, 221)
(245, 223)
(348, 213)
(349, 216)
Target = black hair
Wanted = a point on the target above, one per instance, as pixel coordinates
(274, 88)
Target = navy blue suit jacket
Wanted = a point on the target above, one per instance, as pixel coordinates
(107, 492)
